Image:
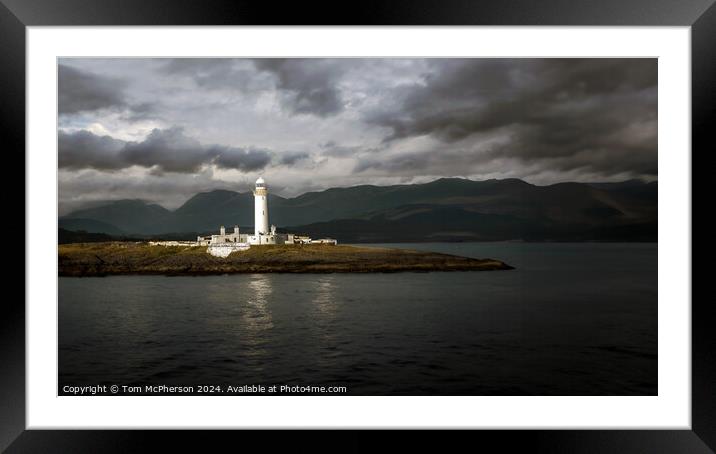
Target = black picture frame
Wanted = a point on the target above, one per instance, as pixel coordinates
(16, 15)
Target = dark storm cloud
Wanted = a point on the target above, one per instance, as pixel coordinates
(196, 66)
(82, 149)
(243, 159)
(356, 121)
(210, 73)
(290, 158)
(303, 86)
(309, 86)
(410, 163)
(596, 114)
(167, 150)
(335, 150)
(142, 111)
(82, 91)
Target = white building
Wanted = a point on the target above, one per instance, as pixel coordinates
(223, 244)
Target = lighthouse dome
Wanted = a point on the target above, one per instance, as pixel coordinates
(260, 182)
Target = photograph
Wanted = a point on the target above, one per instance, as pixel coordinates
(345, 226)
(419, 220)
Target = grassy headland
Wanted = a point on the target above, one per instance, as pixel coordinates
(110, 258)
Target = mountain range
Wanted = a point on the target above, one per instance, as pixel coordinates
(447, 209)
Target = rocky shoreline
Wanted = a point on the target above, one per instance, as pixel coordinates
(126, 258)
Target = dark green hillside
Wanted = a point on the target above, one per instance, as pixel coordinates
(445, 209)
(89, 225)
(132, 216)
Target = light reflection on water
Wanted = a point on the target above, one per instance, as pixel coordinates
(255, 316)
(324, 308)
(324, 303)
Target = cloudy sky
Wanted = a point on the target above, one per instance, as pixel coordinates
(165, 129)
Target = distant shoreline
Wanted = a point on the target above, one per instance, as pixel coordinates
(68, 237)
(116, 258)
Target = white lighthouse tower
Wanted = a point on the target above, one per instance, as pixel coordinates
(224, 244)
(261, 223)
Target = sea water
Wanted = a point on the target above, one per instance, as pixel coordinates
(570, 319)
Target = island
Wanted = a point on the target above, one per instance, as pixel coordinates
(118, 258)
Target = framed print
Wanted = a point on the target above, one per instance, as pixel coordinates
(417, 216)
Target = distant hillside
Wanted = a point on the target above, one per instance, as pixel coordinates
(88, 225)
(65, 236)
(441, 224)
(448, 209)
(208, 210)
(132, 216)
